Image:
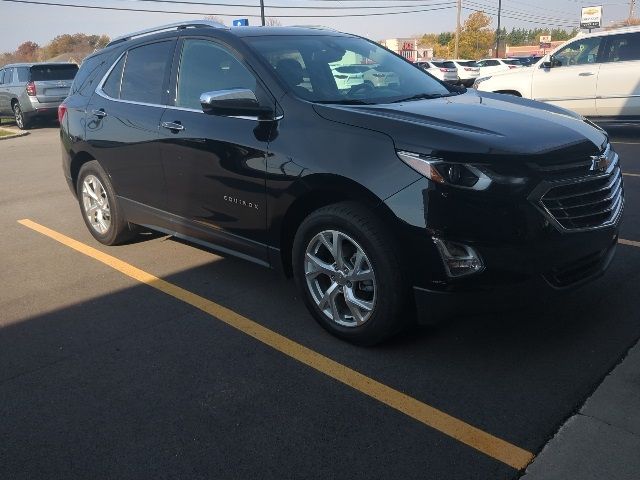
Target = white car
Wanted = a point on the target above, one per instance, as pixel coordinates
(490, 66)
(380, 77)
(445, 71)
(595, 74)
(347, 76)
(468, 71)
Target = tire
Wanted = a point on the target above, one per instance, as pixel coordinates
(99, 207)
(335, 296)
(18, 115)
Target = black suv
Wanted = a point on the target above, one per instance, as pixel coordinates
(383, 196)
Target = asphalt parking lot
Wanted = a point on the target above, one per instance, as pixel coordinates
(158, 371)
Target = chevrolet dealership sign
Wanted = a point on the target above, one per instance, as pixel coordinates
(591, 17)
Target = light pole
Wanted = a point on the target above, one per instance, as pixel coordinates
(455, 53)
(262, 12)
(498, 34)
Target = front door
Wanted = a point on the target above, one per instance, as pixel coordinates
(215, 165)
(571, 82)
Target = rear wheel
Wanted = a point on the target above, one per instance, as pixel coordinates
(100, 210)
(21, 121)
(346, 267)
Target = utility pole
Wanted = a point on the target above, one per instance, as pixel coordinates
(498, 35)
(262, 12)
(632, 6)
(455, 53)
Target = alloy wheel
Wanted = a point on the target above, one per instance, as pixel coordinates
(340, 278)
(96, 204)
(17, 112)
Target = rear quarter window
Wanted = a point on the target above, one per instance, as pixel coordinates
(91, 70)
(40, 73)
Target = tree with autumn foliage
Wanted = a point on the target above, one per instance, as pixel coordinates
(477, 37)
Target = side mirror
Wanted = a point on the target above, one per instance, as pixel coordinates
(551, 63)
(236, 102)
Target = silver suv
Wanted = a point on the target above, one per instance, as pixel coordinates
(31, 90)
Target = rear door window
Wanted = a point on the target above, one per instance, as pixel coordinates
(145, 71)
(445, 64)
(112, 86)
(23, 74)
(623, 48)
(41, 73)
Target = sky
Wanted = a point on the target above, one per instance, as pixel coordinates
(41, 23)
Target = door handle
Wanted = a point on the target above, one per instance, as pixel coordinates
(586, 74)
(173, 126)
(99, 113)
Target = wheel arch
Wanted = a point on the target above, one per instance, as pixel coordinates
(319, 191)
(509, 92)
(77, 161)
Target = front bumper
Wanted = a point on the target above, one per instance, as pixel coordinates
(435, 304)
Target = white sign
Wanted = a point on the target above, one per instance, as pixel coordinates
(545, 38)
(591, 17)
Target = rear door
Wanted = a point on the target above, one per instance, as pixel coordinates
(52, 81)
(618, 91)
(571, 83)
(122, 122)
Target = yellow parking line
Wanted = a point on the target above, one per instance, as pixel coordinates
(631, 243)
(480, 440)
(632, 174)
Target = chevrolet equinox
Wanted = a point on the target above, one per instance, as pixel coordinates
(386, 201)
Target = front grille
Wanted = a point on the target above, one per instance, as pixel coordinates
(586, 202)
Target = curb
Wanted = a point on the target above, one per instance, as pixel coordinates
(15, 135)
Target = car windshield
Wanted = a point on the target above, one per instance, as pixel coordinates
(321, 69)
(53, 72)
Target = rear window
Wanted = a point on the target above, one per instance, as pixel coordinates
(513, 62)
(53, 72)
(445, 64)
(468, 64)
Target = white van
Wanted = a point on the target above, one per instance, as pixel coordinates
(595, 74)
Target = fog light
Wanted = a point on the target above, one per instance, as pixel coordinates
(459, 259)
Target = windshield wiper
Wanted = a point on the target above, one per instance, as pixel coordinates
(346, 101)
(424, 96)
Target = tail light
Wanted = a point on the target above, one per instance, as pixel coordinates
(31, 89)
(62, 109)
(444, 70)
(468, 69)
(512, 66)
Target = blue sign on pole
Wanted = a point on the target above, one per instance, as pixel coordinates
(241, 22)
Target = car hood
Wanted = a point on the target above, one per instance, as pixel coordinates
(479, 123)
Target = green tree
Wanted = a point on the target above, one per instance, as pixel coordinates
(477, 37)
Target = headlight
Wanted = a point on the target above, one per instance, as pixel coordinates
(460, 175)
(479, 81)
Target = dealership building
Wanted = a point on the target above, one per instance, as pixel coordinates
(408, 48)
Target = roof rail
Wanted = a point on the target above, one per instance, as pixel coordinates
(171, 26)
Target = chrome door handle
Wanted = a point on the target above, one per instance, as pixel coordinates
(174, 126)
(99, 113)
(586, 74)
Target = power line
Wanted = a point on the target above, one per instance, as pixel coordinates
(521, 16)
(175, 12)
(296, 7)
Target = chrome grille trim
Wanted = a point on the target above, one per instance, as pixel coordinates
(570, 212)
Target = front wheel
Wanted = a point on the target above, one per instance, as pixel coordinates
(100, 210)
(348, 271)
